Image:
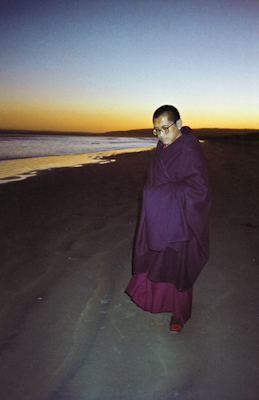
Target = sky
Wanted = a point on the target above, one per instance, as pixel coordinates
(106, 65)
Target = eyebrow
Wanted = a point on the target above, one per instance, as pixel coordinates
(163, 126)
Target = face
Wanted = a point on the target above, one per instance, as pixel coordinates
(163, 122)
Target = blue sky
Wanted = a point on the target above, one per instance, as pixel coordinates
(107, 65)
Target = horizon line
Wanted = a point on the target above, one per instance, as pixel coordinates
(127, 130)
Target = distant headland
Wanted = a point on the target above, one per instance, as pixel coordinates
(202, 133)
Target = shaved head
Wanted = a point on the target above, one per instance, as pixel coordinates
(170, 111)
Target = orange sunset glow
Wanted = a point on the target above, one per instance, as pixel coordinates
(106, 66)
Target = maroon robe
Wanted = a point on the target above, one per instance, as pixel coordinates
(172, 243)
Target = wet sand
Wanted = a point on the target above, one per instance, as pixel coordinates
(68, 330)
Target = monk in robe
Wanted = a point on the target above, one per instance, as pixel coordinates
(172, 242)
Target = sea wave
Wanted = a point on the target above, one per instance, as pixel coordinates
(16, 146)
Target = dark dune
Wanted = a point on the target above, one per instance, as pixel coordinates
(232, 136)
(203, 133)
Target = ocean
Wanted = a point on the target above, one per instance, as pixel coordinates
(22, 155)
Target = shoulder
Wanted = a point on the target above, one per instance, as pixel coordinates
(188, 135)
(189, 139)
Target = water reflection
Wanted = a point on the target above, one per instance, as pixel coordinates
(27, 146)
(19, 169)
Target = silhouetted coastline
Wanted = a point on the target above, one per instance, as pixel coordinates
(202, 133)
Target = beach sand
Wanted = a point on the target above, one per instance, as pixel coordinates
(67, 329)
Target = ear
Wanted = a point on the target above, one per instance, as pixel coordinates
(179, 124)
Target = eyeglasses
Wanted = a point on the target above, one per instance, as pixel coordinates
(165, 130)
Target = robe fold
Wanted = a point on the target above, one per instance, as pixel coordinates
(172, 243)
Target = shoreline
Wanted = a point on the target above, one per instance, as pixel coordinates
(19, 169)
(16, 169)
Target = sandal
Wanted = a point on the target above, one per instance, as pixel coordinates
(175, 325)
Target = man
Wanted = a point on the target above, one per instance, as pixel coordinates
(172, 243)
